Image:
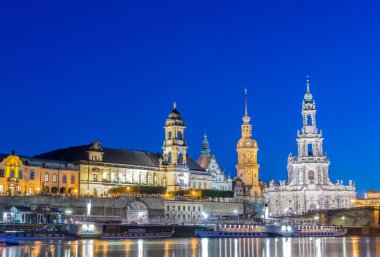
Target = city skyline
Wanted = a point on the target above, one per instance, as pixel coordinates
(70, 76)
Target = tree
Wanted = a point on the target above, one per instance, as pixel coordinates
(62, 190)
(137, 189)
(54, 190)
(46, 189)
(71, 190)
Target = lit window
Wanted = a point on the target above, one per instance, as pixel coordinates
(46, 177)
(95, 177)
(54, 178)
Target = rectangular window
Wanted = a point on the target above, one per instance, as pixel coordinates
(188, 208)
(149, 179)
(64, 179)
(46, 177)
(1, 189)
(72, 180)
(31, 174)
(54, 178)
(95, 177)
(179, 208)
(1, 173)
(167, 207)
(20, 174)
(184, 208)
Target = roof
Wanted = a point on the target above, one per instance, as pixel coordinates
(46, 163)
(112, 155)
(203, 161)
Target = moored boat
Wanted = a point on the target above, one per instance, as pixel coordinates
(318, 231)
(138, 234)
(228, 231)
(19, 236)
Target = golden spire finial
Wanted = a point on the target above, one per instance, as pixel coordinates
(174, 105)
(246, 101)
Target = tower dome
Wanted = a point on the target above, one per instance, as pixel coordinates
(247, 142)
(174, 117)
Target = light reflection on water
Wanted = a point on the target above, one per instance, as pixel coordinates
(193, 247)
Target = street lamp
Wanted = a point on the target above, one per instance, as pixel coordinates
(141, 214)
(236, 213)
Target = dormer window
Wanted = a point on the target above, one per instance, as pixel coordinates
(96, 156)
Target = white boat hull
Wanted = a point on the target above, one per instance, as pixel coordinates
(228, 234)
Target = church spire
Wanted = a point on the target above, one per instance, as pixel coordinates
(308, 96)
(205, 150)
(246, 118)
(246, 102)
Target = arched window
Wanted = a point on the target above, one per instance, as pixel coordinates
(310, 149)
(64, 179)
(105, 176)
(54, 178)
(309, 120)
(72, 179)
(32, 175)
(170, 135)
(112, 176)
(311, 174)
(179, 136)
(20, 174)
(180, 158)
(170, 158)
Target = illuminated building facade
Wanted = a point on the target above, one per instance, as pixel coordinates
(104, 168)
(30, 176)
(308, 186)
(247, 166)
(219, 180)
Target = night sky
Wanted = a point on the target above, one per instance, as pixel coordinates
(74, 72)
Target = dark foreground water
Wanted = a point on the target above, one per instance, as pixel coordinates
(191, 247)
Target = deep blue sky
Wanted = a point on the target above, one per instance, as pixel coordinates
(73, 72)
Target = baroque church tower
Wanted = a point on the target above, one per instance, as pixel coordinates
(308, 187)
(247, 166)
(174, 152)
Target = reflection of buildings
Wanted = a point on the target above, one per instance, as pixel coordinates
(308, 186)
(29, 176)
(104, 168)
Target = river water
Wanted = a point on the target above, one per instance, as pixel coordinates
(192, 247)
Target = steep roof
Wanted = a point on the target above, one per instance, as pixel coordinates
(112, 155)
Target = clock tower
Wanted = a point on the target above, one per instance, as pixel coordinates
(247, 166)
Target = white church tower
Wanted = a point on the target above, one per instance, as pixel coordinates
(308, 186)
